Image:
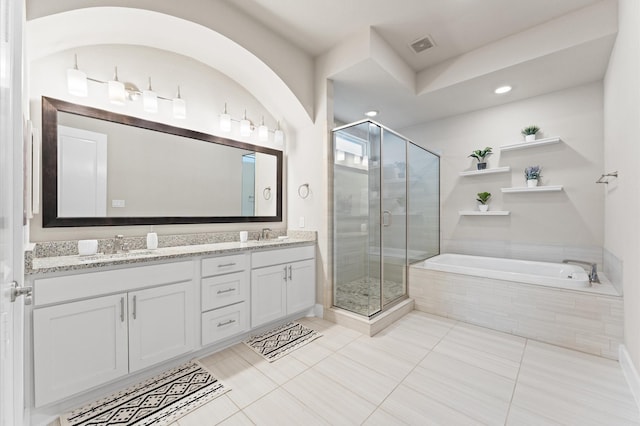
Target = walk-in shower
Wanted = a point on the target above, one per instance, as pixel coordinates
(386, 214)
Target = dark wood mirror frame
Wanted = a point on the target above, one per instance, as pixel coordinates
(50, 219)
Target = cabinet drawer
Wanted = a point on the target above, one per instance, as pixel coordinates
(79, 286)
(224, 322)
(224, 290)
(276, 257)
(223, 265)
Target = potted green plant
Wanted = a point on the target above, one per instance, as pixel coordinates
(480, 154)
(532, 174)
(483, 199)
(529, 133)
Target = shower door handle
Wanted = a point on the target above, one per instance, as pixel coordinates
(386, 218)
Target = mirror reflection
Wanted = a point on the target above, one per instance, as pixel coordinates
(114, 169)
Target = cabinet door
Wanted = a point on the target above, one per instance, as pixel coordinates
(78, 345)
(268, 297)
(161, 324)
(301, 286)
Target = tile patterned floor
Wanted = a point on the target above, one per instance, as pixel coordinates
(422, 370)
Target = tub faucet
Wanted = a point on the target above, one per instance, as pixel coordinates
(593, 273)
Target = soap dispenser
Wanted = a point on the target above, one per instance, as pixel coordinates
(152, 240)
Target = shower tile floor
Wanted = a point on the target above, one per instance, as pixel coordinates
(421, 370)
(362, 296)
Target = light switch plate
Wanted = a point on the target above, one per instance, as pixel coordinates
(301, 222)
(117, 203)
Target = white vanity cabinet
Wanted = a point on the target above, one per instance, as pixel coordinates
(79, 345)
(224, 297)
(161, 324)
(83, 338)
(282, 283)
(93, 327)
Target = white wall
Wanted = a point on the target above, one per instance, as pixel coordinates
(204, 89)
(622, 154)
(542, 226)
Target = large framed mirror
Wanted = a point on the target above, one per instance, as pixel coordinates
(102, 168)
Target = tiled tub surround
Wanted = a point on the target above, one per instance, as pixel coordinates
(60, 256)
(585, 321)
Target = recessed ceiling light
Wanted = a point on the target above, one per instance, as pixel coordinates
(502, 89)
(371, 113)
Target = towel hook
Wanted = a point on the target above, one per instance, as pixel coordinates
(303, 190)
(603, 178)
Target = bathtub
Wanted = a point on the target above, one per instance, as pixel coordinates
(548, 302)
(560, 275)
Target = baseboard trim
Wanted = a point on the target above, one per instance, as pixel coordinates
(318, 310)
(630, 372)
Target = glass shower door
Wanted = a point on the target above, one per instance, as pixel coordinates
(356, 227)
(394, 217)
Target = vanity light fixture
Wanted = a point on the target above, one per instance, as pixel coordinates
(278, 136)
(77, 80)
(150, 99)
(263, 132)
(117, 94)
(245, 125)
(225, 120)
(502, 90)
(179, 106)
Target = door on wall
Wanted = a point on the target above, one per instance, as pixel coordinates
(82, 173)
(11, 313)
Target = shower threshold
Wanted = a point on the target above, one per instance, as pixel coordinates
(370, 325)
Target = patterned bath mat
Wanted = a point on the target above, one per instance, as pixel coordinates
(160, 400)
(276, 343)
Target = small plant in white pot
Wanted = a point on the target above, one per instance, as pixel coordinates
(483, 199)
(532, 174)
(480, 154)
(529, 133)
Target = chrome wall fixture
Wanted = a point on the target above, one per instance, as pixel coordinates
(303, 190)
(120, 92)
(605, 178)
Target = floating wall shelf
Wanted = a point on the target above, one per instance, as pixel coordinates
(550, 188)
(487, 213)
(486, 171)
(536, 143)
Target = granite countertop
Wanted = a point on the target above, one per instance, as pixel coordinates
(49, 264)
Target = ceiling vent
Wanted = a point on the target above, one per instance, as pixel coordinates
(422, 44)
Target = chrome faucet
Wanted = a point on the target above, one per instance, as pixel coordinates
(266, 233)
(593, 273)
(119, 245)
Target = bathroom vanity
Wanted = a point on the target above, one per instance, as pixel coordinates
(98, 319)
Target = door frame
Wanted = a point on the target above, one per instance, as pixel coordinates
(12, 409)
